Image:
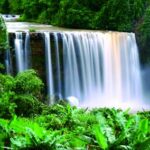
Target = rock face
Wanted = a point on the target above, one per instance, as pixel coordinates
(37, 57)
(37, 51)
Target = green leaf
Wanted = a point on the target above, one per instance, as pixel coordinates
(100, 137)
(143, 126)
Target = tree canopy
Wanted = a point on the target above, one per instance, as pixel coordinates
(120, 15)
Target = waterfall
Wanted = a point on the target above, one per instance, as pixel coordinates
(8, 62)
(22, 51)
(98, 67)
(19, 51)
(58, 70)
(49, 71)
(27, 52)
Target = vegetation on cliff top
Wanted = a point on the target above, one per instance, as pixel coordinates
(118, 15)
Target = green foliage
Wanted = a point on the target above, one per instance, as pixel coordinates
(24, 134)
(119, 15)
(62, 127)
(3, 35)
(4, 6)
(7, 83)
(7, 107)
(32, 30)
(20, 94)
(28, 82)
(101, 139)
(27, 105)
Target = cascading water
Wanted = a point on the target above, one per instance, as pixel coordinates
(49, 72)
(27, 52)
(98, 67)
(22, 51)
(8, 62)
(19, 51)
(58, 72)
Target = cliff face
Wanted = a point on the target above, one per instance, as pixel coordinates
(37, 51)
(142, 31)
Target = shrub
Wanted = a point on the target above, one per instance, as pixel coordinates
(7, 83)
(28, 83)
(20, 95)
(27, 90)
(7, 107)
(27, 105)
